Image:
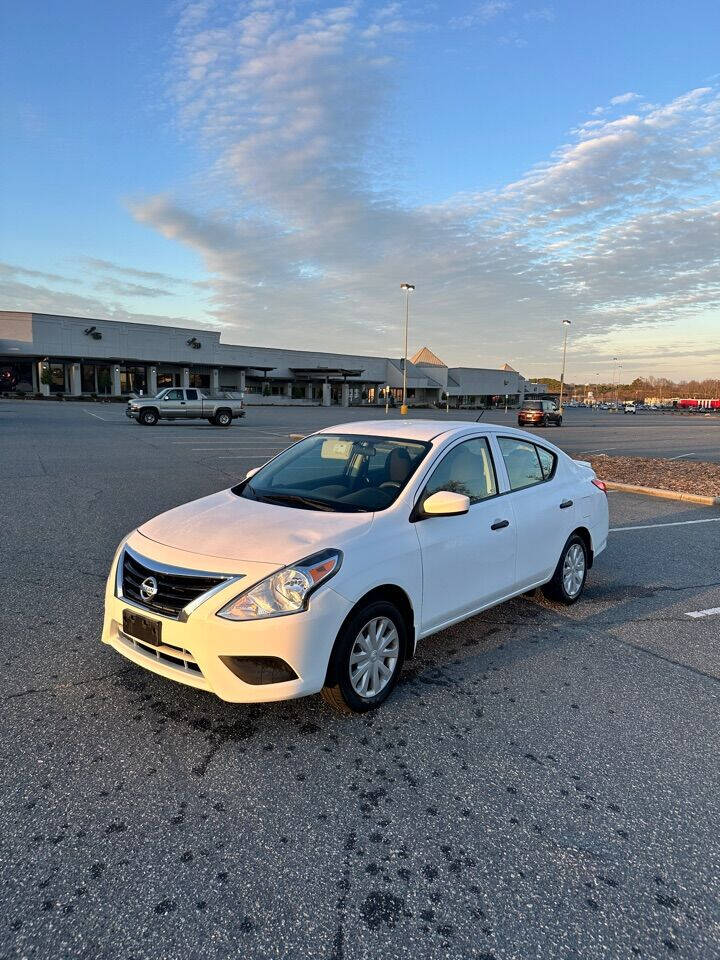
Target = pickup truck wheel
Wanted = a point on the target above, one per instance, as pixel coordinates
(148, 418)
(223, 418)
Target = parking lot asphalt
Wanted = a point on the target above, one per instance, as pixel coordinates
(543, 782)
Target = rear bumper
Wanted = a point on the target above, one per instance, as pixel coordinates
(191, 652)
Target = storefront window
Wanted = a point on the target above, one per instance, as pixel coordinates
(57, 372)
(87, 378)
(133, 379)
(201, 380)
(104, 379)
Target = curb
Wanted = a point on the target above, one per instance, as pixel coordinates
(663, 494)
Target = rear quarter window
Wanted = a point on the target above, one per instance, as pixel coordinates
(548, 462)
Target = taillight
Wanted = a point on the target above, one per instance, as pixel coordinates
(600, 484)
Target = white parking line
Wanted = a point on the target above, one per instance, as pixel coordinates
(682, 456)
(672, 523)
(217, 449)
(104, 419)
(697, 614)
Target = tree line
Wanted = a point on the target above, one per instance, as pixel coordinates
(638, 389)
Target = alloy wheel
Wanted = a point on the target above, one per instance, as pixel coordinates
(374, 657)
(573, 572)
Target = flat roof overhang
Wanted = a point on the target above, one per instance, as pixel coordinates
(324, 373)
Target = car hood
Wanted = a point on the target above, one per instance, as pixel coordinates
(227, 526)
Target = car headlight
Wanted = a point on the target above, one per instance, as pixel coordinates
(286, 591)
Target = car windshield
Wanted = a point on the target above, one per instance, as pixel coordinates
(337, 472)
(532, 405)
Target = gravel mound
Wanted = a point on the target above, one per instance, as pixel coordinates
(684, 476)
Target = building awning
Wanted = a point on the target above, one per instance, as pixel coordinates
(324, 373)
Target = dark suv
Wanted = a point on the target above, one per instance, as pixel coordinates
(539, 413)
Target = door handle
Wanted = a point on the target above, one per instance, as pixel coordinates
(565, 504)
(499, 524)
(182, 403)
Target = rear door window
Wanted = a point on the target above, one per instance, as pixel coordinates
(191, 394)
(522, 462)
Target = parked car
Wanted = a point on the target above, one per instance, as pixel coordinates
(324, 569)
(175, 403)
(629, 408)
(539, 413)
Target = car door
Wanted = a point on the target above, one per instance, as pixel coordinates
(468, 561)
(173, 404)
(541, 501)
(193, 403)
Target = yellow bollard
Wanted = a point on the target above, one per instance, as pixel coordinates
(403, 410)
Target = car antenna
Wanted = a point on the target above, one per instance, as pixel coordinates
(480, 417)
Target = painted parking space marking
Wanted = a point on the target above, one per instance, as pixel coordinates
(104, 419)
(218, 449)
(671, 523)
(682, 456)
(698, 614)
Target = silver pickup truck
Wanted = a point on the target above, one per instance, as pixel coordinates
(175, 403)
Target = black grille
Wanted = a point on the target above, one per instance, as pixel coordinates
(175, 591)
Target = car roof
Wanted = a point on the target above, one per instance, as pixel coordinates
(423, 430)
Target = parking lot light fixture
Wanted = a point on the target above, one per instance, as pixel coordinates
(566, 325)
(407, 289)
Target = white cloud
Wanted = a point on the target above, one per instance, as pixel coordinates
(624, 98)
(480, 14)
(618, 229)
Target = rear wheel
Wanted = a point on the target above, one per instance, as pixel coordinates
(148, 418)
(558, 422)
(367, 658)
(570, 574)
(223, 418)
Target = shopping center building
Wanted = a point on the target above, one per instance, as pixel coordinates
(46, 354)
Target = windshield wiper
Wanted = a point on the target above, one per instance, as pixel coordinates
(294, 498)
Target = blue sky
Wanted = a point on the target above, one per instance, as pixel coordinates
(277, 169)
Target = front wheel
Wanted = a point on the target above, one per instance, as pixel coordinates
(558, 422)
(148, 418)
(367, 658)
(570, 574)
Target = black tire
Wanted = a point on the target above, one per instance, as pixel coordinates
(148, 418)
(558, 422)
(338, 690)
(557, 588)
(223, 418)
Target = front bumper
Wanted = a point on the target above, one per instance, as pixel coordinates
(133, 414)
(192, 650)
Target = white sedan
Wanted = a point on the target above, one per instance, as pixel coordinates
(324, 568)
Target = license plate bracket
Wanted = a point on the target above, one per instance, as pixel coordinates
(142, 628)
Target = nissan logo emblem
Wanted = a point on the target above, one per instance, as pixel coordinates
(148, 588)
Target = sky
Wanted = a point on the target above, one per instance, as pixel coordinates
(276, 169)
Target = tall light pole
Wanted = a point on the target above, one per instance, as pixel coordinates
(566, 324)
(407, 289)
(616, 369)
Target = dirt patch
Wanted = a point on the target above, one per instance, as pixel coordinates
(683, 476)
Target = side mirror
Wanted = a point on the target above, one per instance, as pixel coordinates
(251, 473)
(445, 503)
